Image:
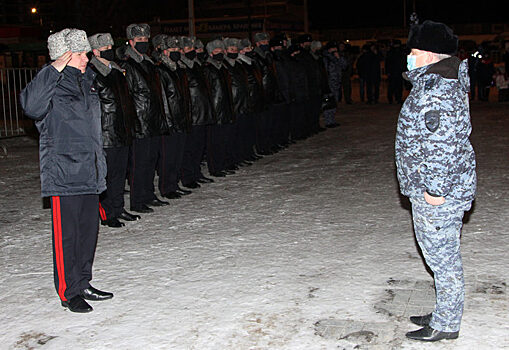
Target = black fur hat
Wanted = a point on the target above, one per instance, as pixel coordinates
(434, 37)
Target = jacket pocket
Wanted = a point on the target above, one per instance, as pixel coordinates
(74, 169)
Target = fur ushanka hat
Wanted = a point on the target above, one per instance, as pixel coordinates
(68, 39)
(434, 37)
(100, 40)
(137, 30)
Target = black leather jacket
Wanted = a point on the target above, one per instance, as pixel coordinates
(220, 91)
(176, 91)
(282, 65)
(117, 108)
(298, 79)
(240, 90)
(255, 81)
(201, 105)
(145, 88)
(270, 87)
(314, 73)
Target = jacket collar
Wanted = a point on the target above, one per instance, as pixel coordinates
(214, 62)
(245, 59)
(447, 68)
(260, 52)
(229, 61)
(189, 63)
(103, 69)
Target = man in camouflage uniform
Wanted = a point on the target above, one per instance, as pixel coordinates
(436, 168)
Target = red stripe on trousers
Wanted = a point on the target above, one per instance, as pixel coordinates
(59, 252)
(102, 212)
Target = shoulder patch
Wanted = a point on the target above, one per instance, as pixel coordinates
(432, 120)
(429, 84)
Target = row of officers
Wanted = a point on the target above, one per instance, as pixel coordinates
(228, 103)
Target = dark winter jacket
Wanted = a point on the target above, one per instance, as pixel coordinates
(240, 86)
(374, 72)
(145, 88)
(270, 88)
(220, 91)
(362, 65)
(255, 81)
(313, 73)
(299, 86)
(201, 104)
(117, 109)
(283, 75)
(178, 117)
(433, 150)
(67, 111)
(395, 62)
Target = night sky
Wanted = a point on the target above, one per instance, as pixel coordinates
(390, 13)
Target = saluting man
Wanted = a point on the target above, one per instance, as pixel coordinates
(64, 102)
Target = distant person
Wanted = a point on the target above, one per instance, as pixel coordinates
(373, 74)
(334, 64)
(362, 71)
(346, 76)
(394, 67)
(502, 83)
(436, 168)
(63, 100)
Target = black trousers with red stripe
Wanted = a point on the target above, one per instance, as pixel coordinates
(75, 227)
(112, 200)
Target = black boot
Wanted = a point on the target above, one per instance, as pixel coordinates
(77, 304)
(421, 320)
(113, 222)
(124, 215)
(142, 209)
(94, 294)
(429, 334)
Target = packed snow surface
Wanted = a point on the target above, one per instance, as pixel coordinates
(315, 234)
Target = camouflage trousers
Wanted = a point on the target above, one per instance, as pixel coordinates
(437, 230)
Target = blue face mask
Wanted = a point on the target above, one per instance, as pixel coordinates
(411, 62)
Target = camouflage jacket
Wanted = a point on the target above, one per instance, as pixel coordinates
(433, 152)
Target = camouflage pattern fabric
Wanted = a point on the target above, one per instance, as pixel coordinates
(438, 229)
(433, 152)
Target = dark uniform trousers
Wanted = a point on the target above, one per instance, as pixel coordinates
(281, 116)
(75, 226)
(245, 138)
(262, 131)
(144, 156)
(193, 153)
(230, 137)
(170, 161)
(216, 148)
(298, 118)
(315, 105)
(112, 200)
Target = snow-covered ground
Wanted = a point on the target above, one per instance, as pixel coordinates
(316, 234)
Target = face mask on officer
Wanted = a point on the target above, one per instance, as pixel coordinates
(232, 55)
(218, 56)
(174, 56)
(201, 56)
(108, 55)
(191, 55)
(250, 54)
(265, 47)
(141, 47)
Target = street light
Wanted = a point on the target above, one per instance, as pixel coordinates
(33, 10)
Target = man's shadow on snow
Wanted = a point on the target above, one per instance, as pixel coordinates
(407, 205)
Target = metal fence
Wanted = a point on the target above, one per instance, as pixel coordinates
(12, 121)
